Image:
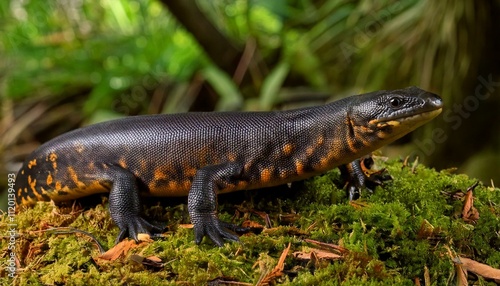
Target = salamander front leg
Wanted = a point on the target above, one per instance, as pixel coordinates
(125, 207)
(356, 179)
(202, 202)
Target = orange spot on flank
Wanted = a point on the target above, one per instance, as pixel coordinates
(173, 186)
(299, 167)
(79, 148)
(265, 175)
(159, 175)
(309, 151)
(190, 172)
(53, 159)
(49, 179)
(27, 201)
(323, 161)
(31, 163)
(32, 184)
(320, 140)
(74, 177)
(122, 162)
(287, 149)
(186, 185)
(241, 184)
(231, 157)
(143, 164)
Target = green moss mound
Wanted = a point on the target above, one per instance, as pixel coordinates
(408, 229)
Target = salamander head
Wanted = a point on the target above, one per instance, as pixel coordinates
(392, 114)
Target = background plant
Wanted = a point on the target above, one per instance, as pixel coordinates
(68, 63)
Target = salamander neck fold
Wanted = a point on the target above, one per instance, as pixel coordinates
(326, 138)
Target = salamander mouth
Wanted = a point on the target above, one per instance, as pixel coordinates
(424, 114)
(409, 121)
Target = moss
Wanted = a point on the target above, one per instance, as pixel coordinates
(407, 224)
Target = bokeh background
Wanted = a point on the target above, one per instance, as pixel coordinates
(69, 63)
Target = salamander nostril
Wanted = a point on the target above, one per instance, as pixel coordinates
(436, 101)
(432, 100)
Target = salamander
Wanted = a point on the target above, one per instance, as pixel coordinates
(200, 155)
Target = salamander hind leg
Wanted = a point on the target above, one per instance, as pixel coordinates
(125, 207)
(202, 202)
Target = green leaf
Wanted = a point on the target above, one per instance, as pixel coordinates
(272, 85)
(230, 96)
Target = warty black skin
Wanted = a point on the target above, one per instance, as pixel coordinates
(203, 154)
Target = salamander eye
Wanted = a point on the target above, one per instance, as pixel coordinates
(396, 102)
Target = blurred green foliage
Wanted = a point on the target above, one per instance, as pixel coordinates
(108, 47)
(105, 47)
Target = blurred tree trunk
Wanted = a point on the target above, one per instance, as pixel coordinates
(219, 48)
